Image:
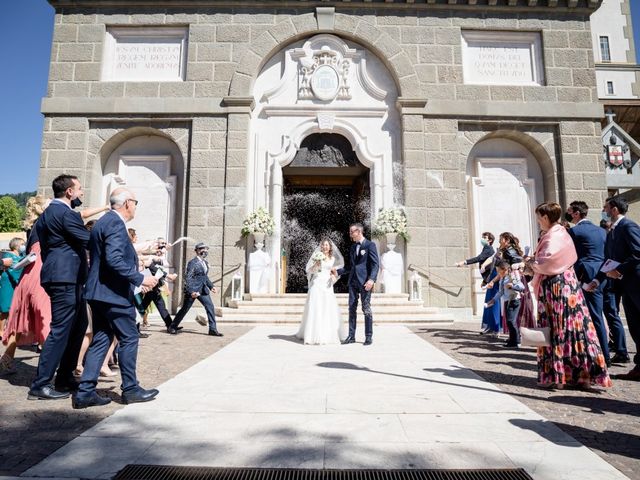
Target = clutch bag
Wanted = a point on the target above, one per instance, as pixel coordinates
(535, 337)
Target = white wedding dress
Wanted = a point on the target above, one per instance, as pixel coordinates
(321, 321)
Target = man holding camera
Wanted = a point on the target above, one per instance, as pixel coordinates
(197, 285)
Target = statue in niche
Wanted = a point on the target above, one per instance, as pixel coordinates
(325, 150)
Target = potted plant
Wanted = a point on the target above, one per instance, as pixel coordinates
(258, 223)
(391, 223)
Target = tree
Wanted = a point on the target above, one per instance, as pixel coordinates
(10, 215)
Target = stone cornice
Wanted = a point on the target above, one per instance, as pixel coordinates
(559, 6)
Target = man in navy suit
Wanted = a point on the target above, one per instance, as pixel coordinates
(197, 285)
(113, 275)
(589, 241)
(623, 246)
(363, 272)
(63, 240)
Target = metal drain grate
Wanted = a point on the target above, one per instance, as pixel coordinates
(165, 472)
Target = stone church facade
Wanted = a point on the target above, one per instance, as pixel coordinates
(467, 113)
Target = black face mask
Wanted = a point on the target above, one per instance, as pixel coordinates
(203, 254)
(76, 202)
(568, 217)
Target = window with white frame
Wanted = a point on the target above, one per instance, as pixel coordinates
(145, 54)
(610, 89)
(502, 58)
(605, 52)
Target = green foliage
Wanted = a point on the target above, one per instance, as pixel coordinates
(11, 215)
(21, 198)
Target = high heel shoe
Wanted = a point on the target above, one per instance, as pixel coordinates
(105, 372)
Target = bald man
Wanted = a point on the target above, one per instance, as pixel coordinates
(113, 275)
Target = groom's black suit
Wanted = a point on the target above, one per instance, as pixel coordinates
(364, 266)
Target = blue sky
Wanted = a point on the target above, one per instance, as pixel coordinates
(25, 35)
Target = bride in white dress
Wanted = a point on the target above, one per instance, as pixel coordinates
(322, 321)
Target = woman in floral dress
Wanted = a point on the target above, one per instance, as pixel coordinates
(574, 357)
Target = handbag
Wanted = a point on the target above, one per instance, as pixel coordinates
(535, 337)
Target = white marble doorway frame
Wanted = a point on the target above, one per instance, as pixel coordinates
(366, 116)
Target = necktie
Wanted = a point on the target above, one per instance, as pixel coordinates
(357, 249)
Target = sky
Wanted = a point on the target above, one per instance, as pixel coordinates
(26, 28)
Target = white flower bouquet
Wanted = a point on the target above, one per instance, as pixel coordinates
(258, 221)
(318, 256)
(391, 220)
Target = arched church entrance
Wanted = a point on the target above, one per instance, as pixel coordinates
(326, 189)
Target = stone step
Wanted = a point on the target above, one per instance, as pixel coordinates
(407, 308)
(300, 301)
(242, 316)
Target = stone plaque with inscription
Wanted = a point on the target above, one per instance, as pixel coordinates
(145, 54)
(502, 58)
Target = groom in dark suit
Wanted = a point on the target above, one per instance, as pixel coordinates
(362, 271)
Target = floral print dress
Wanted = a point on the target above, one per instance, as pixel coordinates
(575, 356)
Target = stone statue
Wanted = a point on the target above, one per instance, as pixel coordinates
(259, 263)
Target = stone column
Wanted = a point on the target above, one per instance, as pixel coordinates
(235, 184)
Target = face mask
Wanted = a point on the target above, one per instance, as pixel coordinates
(203, 254)
(22, 249)
(484, 242)
(76, 202)
(605, 216)
(568, 217)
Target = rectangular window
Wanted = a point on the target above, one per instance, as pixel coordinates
(605, 52)
(145, 54)
(610, 90)
(502, 58)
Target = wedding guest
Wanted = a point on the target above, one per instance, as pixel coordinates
(10, 277)
(508, 250)
(490, 314)
(623, 247)
(589, 241)
(574, 356)
(197, 286)
(64, 241)
(113, 274)
(510, 288)
(611, 310)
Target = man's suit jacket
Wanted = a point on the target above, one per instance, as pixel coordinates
(623, 245)
(113, 272)
(63, 242)
(365, 265)
(589, 240)
(487, 252)
(196, 279)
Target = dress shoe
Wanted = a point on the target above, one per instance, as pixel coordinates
(215, 333)
(367, 341)
(633, 375)
(349, 339)
(143, 335)
(68, 385)
(46, 393)
(173, 330)
(93, 400)
(139, 395)
(618, 358)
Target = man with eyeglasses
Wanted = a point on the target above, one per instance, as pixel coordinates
(113, 275)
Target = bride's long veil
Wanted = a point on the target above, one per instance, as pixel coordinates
(339, 259)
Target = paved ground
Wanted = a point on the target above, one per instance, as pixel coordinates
(267, 400)
(32, 430)
(607, 422)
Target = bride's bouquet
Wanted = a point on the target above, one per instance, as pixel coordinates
(318, 257)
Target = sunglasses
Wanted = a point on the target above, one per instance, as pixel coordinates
(135, 202)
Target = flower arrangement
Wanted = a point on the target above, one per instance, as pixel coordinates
(391, 220)
(258, 221)
(318, 256)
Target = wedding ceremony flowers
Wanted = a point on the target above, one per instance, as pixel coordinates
(391, 220)
(318, 256)
(258, 221)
